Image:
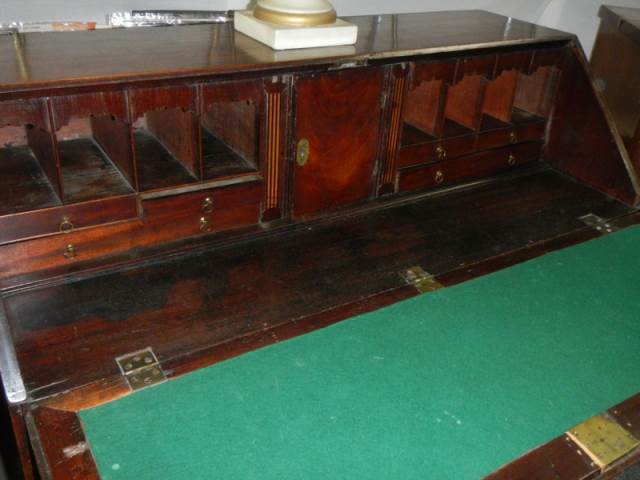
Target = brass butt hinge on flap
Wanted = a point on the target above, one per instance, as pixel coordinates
(599, 223)
(422, 280)
(603, 439)
(141, 369)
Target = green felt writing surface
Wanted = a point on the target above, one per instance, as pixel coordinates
(448, 385)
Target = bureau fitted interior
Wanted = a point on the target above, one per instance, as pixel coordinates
(462, 118)
(441, 163)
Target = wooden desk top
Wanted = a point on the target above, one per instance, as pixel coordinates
(626, 19)
(35, 61)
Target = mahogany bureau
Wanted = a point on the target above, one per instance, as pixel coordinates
(307, 180)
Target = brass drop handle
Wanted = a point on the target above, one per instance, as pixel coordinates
(441, 152)
(513, 137)
(66, 226)
(302, 152)
(511, 160)
(70, 252)
(205, 225)
(439, 177)
(207, 205)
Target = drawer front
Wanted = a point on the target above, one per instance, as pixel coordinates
(499, 138)
(435, 151)
(206, 211)
(67, 218)
(467, 168)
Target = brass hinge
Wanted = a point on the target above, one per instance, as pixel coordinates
(599, 223)
(603, 439)
(423, 281)
(141, 369)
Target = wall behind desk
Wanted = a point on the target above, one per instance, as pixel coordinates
(577, 16)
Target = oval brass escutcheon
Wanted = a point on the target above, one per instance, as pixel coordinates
(207, 205)
(302, 152)
(70, 252)
(441, 152)
(513, 137)
(205, 226)
(511, 160)
(439, 177)
(66, 226)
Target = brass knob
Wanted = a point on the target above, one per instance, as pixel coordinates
(441, 152)
(207, 205)
(512, 159)
(66, 226)
(302, 152)
(439, 177)
(70, 252)
(205, 226)
(513, 137)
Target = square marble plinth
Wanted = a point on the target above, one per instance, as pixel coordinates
(284, 37)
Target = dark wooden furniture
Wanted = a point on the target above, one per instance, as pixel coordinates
(615, 62)
(190, 190)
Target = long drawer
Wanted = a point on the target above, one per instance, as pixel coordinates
(67, 218)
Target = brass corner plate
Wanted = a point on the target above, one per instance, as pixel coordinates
(141, 369)
(603, 439)
(422, 280)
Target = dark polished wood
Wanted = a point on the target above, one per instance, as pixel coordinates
(340, 168)
(153, 195)
(205, 299)
(589, 150)
(615, 63)
(560, 458)
(60, 59)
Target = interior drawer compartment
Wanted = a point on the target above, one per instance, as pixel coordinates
(67, 218)
(211, 210)
(437, 150)
(467, 168)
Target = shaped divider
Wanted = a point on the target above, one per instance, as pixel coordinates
(230, 128)
(29, 176)
(166, 137)
(94, 146)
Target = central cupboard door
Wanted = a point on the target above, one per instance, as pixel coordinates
(338, 125)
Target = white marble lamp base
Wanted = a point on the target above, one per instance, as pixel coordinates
(285, 37)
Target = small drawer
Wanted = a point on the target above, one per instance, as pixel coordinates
(510, 136)
(67, 218)
(467, 168)
(206, 211)
(439, 150)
